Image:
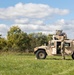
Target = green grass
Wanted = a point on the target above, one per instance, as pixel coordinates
(26, 64)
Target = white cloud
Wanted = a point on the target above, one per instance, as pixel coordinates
(3, 29)
(37, 22)
(38, 28)
(31, 17)
(30, 10)
(61, 11)
(22, 21)
(67, 26)
(60, 22)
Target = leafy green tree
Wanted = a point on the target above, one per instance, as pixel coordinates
(49, 37)
(42, 38)
(0, 35)
(36, 39)
(17, 39)
(32, 41)
(3, 43)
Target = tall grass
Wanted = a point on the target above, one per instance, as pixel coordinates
(26, 64)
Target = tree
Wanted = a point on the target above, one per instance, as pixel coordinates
(3, 43)
(36, 39)
(49, 37)
(17, 39)
(0, 35)
(32, 41)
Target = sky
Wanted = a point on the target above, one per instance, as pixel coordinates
(33, 16)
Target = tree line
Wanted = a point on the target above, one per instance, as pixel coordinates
(17, 40)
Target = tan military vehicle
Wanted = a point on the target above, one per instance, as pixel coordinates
(54, 46)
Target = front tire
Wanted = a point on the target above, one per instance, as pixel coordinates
(72, 56)
(40, 54)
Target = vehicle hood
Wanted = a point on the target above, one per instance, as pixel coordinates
(40, 47)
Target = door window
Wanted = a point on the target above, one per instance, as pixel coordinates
(67, 44)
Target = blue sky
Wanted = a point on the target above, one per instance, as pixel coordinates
(37, 16)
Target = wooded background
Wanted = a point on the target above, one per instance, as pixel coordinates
(17, 40)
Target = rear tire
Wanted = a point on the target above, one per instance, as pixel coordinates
(72, 56)
(41, 54)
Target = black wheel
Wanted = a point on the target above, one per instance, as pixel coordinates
(72, 56)
(41, 54)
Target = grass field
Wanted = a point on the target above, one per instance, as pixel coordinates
(26, 64)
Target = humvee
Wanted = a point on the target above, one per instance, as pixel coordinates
(54, 47)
